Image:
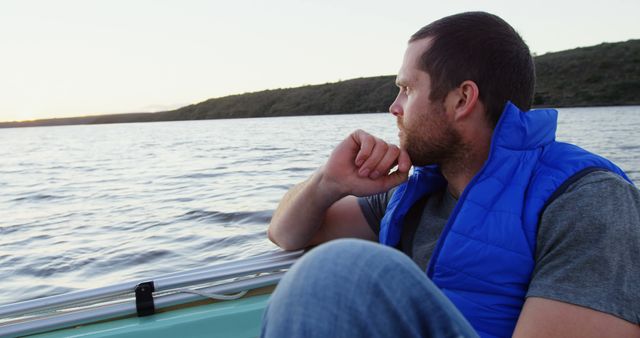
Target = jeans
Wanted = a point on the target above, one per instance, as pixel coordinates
(355, 288)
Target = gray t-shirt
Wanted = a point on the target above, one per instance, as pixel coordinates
(588, 243)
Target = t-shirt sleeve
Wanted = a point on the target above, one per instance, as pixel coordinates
(373, 208)
(589, 247)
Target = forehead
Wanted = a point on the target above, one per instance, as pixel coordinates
(410, 71)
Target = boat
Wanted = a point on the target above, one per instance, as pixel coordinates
(222, 300)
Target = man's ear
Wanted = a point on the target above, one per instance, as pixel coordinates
(463, 100)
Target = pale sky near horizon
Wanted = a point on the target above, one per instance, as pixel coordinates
(85, 57)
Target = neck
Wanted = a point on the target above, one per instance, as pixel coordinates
(460, 169)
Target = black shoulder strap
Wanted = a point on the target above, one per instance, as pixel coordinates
(411, 222)
(566, 184)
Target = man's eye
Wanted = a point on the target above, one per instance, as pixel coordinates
(403, 89)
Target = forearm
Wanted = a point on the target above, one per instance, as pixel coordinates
(359, 166)
(301, 213)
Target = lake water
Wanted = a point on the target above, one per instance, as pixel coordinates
(86, 206)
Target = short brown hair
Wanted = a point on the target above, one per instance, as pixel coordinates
(483, 48)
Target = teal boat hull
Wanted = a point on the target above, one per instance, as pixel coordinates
(237, 318)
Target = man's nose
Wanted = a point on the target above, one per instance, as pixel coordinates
(395, 108)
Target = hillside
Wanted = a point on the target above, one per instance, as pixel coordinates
(372, 94)
(606, 74)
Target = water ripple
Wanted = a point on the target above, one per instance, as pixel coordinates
(225, 218)
(38, 197)
(126, 259)
(196, 176)
(51, 265)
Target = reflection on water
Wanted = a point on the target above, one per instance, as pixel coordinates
(85, 206)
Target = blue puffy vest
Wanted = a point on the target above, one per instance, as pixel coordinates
(485, 256)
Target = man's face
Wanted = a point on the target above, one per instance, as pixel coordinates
(425, 130)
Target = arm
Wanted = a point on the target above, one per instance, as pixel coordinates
(542, 317)
(324, 207)
(586, 281)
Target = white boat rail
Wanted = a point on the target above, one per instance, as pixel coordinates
(85, 306)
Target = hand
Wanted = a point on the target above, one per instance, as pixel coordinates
(360, 165)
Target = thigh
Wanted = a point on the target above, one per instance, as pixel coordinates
(355, 288)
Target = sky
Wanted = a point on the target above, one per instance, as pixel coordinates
(86, 57)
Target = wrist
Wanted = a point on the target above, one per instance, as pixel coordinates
(329, 191)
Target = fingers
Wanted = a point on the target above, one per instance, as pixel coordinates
(395, 179)
(376, 157)
(404, 162)
(400, 175)
(387, 162)
(369, 167)
(366, 142)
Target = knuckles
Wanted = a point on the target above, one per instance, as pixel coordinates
(384, 147)
(394, 150)
(373, 149)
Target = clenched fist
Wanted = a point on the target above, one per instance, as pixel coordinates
(361, 166)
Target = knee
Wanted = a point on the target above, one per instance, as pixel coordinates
(351, 256)
(345, 251)
(345, 248)
(322, 273)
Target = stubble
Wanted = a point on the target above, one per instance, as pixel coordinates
(432, 139)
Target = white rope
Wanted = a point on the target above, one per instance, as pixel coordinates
(214, 295)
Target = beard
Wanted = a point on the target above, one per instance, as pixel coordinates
(431, 139)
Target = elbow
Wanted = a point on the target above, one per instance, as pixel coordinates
(281, 241)
(270, 235)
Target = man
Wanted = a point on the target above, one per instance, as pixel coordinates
(519, 235)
